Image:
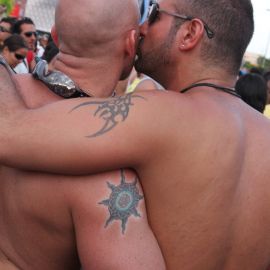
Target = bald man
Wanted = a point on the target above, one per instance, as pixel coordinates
(94, 222)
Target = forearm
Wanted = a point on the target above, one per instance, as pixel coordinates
(53, 139)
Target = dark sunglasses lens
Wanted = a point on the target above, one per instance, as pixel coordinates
(29, 34)
(153, 12)
(19, 57)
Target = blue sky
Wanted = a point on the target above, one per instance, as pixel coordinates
(261, 36)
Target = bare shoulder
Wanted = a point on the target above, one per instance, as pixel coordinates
(159, 103)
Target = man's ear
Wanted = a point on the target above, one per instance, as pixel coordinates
(54, 36)
(191, 34)
(131, 43)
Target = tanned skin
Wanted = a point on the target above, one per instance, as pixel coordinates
(202, 156)
(63, 222)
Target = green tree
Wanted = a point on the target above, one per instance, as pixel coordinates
(8, 3)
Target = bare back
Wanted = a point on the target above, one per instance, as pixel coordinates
(202, 158)
(208, 198)
(58, 222)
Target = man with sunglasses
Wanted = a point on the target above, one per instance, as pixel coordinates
(27, 29)
(95, 221)
(6, 24)
(201, 153)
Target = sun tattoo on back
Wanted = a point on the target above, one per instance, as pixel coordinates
(123, 201)
(112, 111)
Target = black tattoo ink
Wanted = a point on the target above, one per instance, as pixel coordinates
(112, 112)
(123, 201)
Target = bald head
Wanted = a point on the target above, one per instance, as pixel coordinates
(89, 26)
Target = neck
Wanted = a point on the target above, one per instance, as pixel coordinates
(94, 77)
(184, 75)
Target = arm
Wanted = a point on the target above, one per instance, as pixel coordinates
(101, 241)
(83, 135)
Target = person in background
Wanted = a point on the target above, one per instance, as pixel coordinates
(50, 52)
(253, 90)
(256, 70)
(139, 81)
(136, 82)
(26, 28)
(14, 50)
(3, 9)
(6, 25)
(44, 40)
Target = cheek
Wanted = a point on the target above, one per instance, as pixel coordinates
(154, 37)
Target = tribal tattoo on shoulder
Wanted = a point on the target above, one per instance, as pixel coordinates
(123, 201)
(112, 111)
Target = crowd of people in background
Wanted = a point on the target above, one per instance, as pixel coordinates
(254, 88)
(22, 46)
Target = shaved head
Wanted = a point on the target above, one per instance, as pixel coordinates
(87, 27)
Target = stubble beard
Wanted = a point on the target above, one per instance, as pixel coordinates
(154, 62)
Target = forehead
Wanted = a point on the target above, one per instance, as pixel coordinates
(28, 27)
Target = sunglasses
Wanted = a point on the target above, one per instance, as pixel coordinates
(19, 56)
(4, 30)
(155, 10)
(29, 34)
